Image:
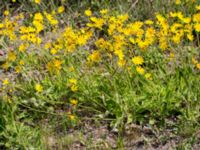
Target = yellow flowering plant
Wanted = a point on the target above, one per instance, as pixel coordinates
(61, 65)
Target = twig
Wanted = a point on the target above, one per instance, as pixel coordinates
(133, 5)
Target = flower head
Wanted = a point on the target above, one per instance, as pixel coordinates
(6, 13)
(61, 9)
(148, 76)
(138, 60)
(5, 81)
(74, 102)
(38, 88)
(71, 117)
(198, 66)
(37, 1)
(74, 88)
(73, 81)
(88, 12)
(140, 70)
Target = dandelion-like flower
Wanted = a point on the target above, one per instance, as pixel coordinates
(138, 60)
(38, 88)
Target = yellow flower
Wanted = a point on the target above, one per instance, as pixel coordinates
(13, 1)
(196, 17)
(73, 81)
(121, 62)
(53, 12)
(198, 66)
(97, 22)
(104, 11)
(47, 45)
(1, 25)
(37, 1)
(74, 88)
(198, 7)
(53, 51)
(21, 62)
(17, 69)
(61, 9)
(178, 2)
(54, 66)
(186, 20)
(38, 88)
(38, 17)
(71, 69)
(6, 13)
(5, 65)
(81, 40)
(88, 13)
(71, 117)
(149, 22)
(5, 81)
(120, 54)
(171, 55)
(57, 64)
(38, 25)
(142, 44)
(51, 19)
(94, 57)
(197, 27)
(74, 102)
(23, 47)
(140, 70)
(132, 40)
(194, 61)
(190, 36)
(138, 60)
(148, 76)
(11, 56)
(73, 85)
